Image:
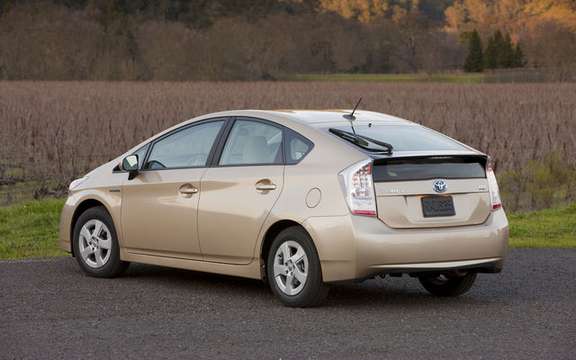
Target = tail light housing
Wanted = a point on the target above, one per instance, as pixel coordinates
(495, 201)
(359, 188)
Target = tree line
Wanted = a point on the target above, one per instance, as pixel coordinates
(271, 39)
(499, 53)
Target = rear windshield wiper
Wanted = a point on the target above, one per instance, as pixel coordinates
(363, 141)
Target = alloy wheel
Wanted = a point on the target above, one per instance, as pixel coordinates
(290, 267)
(95, 243)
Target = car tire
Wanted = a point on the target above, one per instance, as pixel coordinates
(97, 254)
(286, 272)
(448, 285)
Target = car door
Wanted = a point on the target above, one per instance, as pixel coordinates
(239, 191)
(159, 210)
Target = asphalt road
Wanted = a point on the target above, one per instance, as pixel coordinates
(49, 309)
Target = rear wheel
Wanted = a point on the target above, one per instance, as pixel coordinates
(448, 284)
(96, 244)
(294, 271)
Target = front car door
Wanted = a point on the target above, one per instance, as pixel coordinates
(239, 191)
(159, 211)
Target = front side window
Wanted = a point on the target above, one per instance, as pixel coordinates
(186, 148)
(252, 143)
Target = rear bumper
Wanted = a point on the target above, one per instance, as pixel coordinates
(491, 265)
(355, 247)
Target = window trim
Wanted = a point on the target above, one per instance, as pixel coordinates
(151, 144)
(118, 168)
(226, 136)
(220, 142)
(148, 147)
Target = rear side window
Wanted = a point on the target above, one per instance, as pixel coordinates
(252, 143)
(297, 147)
(408, 137)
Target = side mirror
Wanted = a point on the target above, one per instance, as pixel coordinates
(130, 164)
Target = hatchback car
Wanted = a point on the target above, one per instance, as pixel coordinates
(300, 199)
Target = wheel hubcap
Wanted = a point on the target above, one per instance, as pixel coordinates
(95, 243)
(290, 267)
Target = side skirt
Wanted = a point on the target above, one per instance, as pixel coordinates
(251, 270)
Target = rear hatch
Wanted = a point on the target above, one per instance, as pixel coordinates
(431, 191)
(422, 178)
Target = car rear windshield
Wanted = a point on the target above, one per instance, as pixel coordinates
(407, 137)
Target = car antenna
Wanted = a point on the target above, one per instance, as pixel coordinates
(350, 117)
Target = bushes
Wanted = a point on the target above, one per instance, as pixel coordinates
(539, 184)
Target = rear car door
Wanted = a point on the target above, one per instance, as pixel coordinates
(239, 191)
(159, 211)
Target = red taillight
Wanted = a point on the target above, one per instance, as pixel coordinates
(495, 201)
(359, 188)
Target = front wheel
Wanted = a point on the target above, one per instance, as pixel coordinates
(293, 269)
(448, 284)
(96, 245)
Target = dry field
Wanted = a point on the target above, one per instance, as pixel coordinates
(51, 132)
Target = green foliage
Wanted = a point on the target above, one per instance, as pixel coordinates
(540, 184)
(492, 54)
(518, 59)
(475, 58)
(30, 229)
(544, 229)
(457, 78)
(506, 52)
(501, 53)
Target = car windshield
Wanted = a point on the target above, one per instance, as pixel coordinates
(406, 137)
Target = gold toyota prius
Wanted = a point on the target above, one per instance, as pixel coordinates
(300, 199)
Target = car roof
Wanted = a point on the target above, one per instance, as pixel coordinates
(321, 118)
(304, 121)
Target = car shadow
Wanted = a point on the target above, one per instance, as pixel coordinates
(390, 292)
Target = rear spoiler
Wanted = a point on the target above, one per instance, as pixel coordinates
(427, 159)
(421, 167)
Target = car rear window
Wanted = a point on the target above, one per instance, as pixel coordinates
(407, 137)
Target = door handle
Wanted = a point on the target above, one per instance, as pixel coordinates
(187, 190)
(265, 185)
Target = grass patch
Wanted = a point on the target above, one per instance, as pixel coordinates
(459, 78)
(30, 229)
(550, 228)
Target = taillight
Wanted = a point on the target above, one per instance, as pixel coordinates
(495, 201)
(359, 188)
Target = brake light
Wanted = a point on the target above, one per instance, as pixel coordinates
(495, 201)
(359, 188)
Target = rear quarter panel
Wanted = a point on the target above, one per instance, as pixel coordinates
(312, 189)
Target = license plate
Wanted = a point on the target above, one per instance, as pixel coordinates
(434, 206)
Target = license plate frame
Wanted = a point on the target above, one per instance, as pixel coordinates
(437, 206)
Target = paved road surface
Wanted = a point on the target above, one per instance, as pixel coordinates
(48, 309)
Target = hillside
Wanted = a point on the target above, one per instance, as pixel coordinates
(269, 39)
